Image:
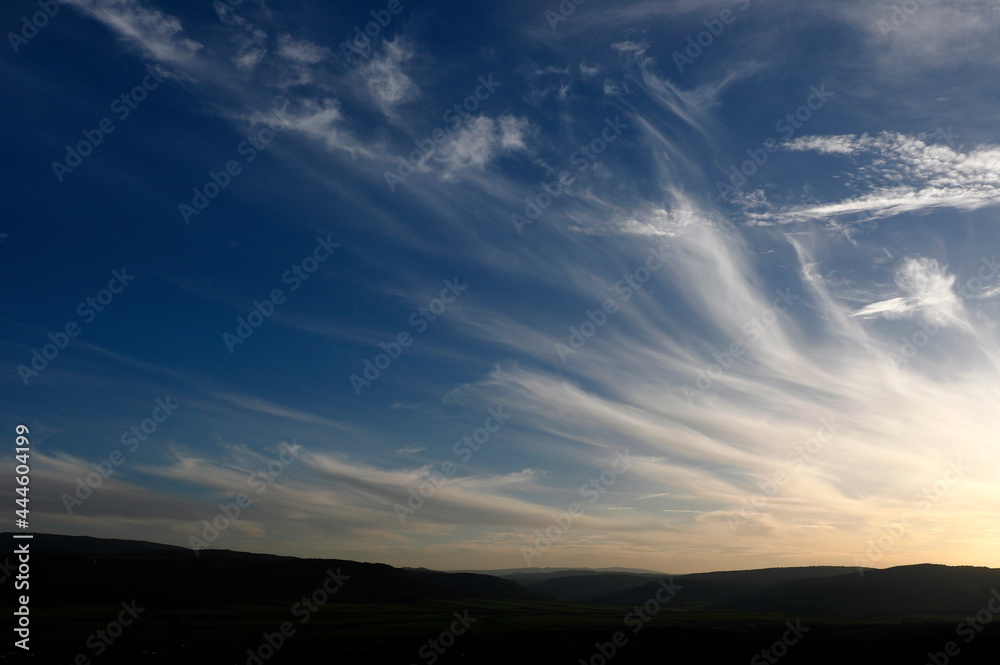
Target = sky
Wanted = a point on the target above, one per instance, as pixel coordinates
(683, 286)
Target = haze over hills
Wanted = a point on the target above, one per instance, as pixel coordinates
(105, 569)
(538, 574)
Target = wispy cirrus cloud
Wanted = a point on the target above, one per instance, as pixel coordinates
(250, 40)
(157, 34)
(301, 50)
(927, 290)
(899, 174)
(765, 378)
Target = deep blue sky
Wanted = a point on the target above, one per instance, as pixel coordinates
(871, 206)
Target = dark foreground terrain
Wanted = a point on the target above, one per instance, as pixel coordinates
(102, 601)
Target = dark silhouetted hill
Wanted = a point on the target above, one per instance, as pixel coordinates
(904, 591)
(78, 570)
(68, 570)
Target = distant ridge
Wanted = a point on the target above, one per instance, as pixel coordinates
(538, 574)
(50, 543)
(81, 569)
(905, 591)
(69, 570)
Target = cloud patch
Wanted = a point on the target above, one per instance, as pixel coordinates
(387, 83)
(902, 174)
(927, 291)
(482, 140)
